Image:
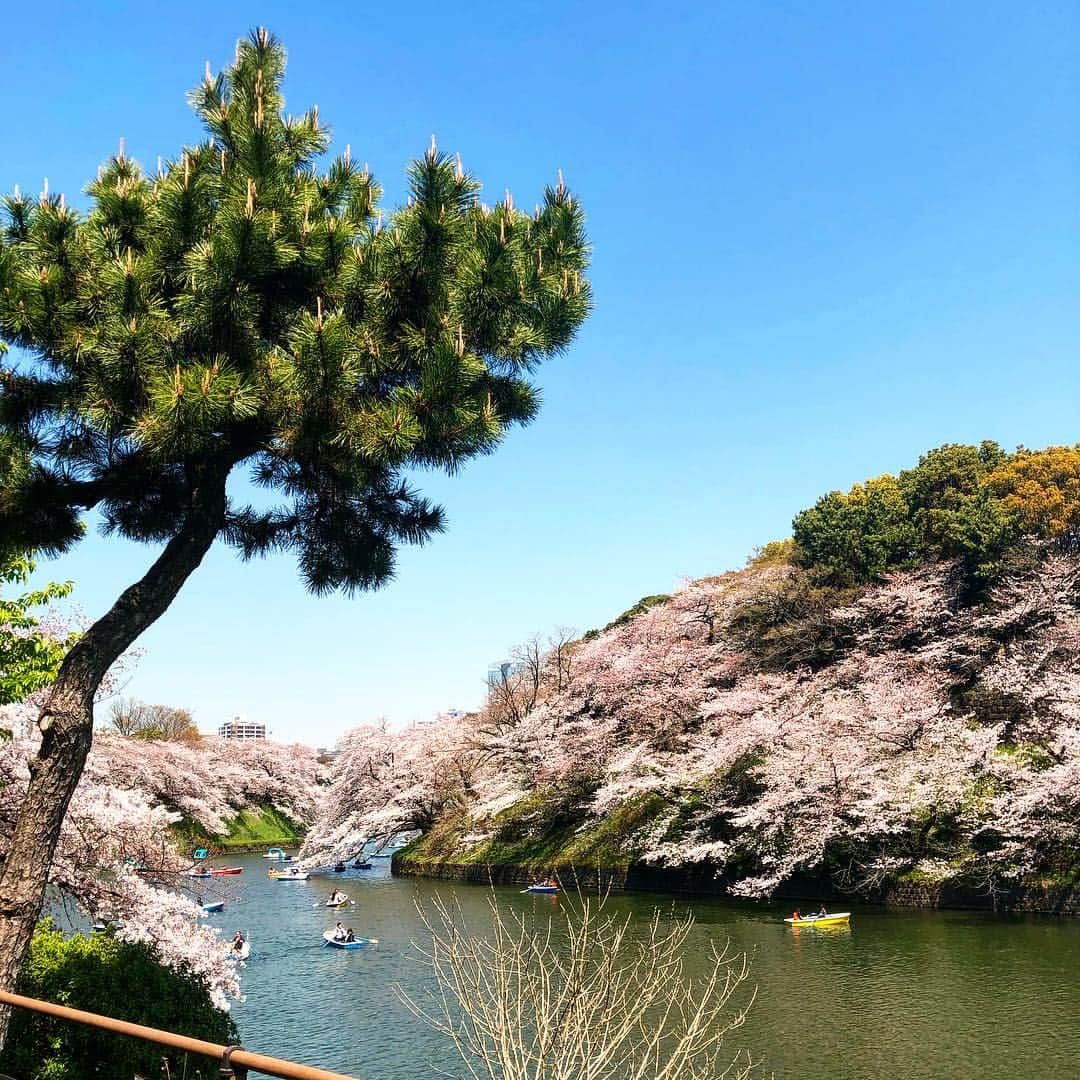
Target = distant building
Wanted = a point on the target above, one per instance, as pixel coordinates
(239, 728)
(501, 670)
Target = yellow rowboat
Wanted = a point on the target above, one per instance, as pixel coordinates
(821, 920)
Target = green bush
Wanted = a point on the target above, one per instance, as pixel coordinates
(943, 508)
(113, 978)
(639, 608)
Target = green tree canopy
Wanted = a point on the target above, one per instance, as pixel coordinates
(241, 307)
(940, 490)
(856, 536)
(978, 504)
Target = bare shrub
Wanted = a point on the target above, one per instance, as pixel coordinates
(590, 995)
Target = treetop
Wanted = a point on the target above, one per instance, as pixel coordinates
(241, 307)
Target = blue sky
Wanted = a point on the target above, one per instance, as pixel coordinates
(826, 238)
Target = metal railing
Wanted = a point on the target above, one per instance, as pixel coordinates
(235, 1059)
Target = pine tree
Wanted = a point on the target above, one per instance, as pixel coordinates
(238, 309)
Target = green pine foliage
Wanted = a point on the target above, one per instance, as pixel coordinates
(102, 975)
(946, 507)
(249, 304)
(858, 535)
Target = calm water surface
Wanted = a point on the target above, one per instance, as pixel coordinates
(917, 995)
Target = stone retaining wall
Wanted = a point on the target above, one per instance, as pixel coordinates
(1043, 897)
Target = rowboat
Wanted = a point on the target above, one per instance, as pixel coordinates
(361, 864)
(543, 888)
(221, 871)
(239, 954)
(340, 903)
(834, 919)
(195, 872)
(214, 905)
(292, 874)
(328, 938)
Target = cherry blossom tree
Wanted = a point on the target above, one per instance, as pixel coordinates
(941, 737)
(117, 859)
(387, 782)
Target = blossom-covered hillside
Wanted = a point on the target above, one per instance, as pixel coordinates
(118, 858)
(213, 780)
(762, 725)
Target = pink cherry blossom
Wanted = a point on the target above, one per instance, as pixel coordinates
(942, 737)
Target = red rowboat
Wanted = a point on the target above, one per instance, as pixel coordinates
(219, 871)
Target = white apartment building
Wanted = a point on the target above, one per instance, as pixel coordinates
(239, 728)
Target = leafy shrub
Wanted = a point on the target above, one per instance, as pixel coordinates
(775, 553)
(113, 978)
(639, 608)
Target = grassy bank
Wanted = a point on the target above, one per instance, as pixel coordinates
(547, 832)
(255, 827)
(541, 832)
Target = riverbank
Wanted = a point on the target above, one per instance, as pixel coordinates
(253, 829)
(1046, 898)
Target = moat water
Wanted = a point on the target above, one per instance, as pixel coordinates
(917, 995)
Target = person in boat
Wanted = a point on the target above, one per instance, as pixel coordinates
(238, 941)
(339, 932)
(337, 897)
(795, 915)
(822, 913)
(349, 936)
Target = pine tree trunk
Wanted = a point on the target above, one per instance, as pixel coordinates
(67, 723)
